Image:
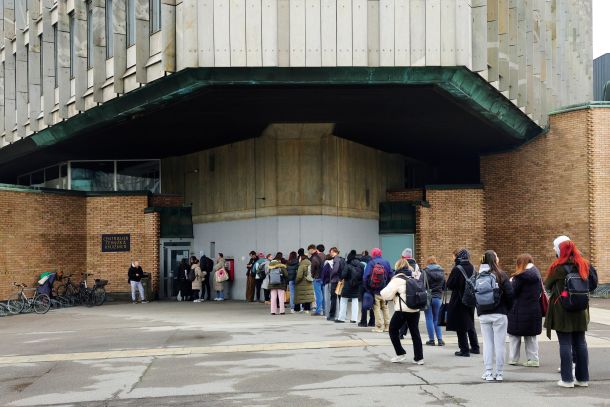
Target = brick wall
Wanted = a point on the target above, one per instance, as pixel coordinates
(166, 200)
(42, 231)
(542, 190)
(405, 195)
(455, 219)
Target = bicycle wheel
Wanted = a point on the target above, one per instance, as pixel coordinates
(41, 303)
(99, 296)
(3, 310)
(15, 305)
(70, 290)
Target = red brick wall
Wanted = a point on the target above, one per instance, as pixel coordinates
(542, 190)
(39, 232)
(166, 200)
(405, 195)
(455, 219)
(46, 231)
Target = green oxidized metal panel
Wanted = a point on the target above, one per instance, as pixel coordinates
(396, 217)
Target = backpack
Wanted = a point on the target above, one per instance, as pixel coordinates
(260, 271)
(275, 276)
(575, 294)
(487, 291)
(192, 275)
(308, 276)
(468, 296)
(355, 275)
(417, 295)
(377, 281)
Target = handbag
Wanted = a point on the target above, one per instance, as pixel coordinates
(442, 312)
(544, 300)
(221, 275)
(339, 287)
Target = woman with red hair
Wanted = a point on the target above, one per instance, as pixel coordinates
(569, 325)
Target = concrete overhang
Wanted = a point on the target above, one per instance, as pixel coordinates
(421, 112)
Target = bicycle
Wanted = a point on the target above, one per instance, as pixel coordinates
(40, 303)
(92, 296)
(68, 292)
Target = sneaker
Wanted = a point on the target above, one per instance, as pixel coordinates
(386, 329)
(353, 322)
(532, 363)
(488, 376)
(273, 313)
(514, 362)
(221, 299)
(418, 362)
(398, 359)
(306, 312)
(499, 377)
(475, 351)
(371, 325)
(460, 353)
(133, 302)
(144, 302)
(361, 325)
(338, 321)
(195, 300)
(430, 343)
(377, 330)
(441, 342)
(292, 311)
(581, 384)
(568, 385)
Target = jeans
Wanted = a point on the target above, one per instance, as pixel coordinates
(573, 349)
(343, 309)
(291, 286)
(411, 319)
(220, 295)
(493, 327)
(431, 314)
(140, 287)
(514, 348)
(277, 295)
(319, 294)
(382, 314)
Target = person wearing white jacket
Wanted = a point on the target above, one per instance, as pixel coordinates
(396, 290)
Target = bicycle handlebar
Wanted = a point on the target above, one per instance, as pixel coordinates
(19, 285)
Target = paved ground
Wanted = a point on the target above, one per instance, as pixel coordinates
(236, 354)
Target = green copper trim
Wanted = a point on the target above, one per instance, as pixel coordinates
(581, 106)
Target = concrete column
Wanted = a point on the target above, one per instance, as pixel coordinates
(186, 30)
(168, 33)
(48, 62)
(21, 69)
(142, 40)
(80, 68)
(2, 83)
(63, 58)
(119, 18)
(99, 49)
(34, 65)
(10, 105)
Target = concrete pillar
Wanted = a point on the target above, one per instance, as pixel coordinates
(142, 40)
(10, 102)
(119, 19)
(99, 49)
(63, 58)
(48, 62)
(81, 80)
(168, 33)
(34, 78)
(21, 69)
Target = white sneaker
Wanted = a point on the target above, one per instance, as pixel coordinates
(568, 385)
(144, 302)
(398, 359)
(581, 384)
(499, 377)
(292, 311)
(513, 362)
(418, 362)
(488, 376)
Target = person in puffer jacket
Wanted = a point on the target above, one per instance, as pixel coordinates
(436, 283)
(396, 290)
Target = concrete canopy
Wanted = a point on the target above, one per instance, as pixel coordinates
(419, 112)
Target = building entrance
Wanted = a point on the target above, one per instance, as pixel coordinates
(172, 252)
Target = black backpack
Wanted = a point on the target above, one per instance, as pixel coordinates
(469, 295)
(417, 295)
(355, 275)
(192, 275)
(575, 294)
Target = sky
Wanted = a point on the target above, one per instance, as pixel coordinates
(601, 27)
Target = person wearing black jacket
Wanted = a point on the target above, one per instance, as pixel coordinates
(291, 267)
(250, 280)
(134, 277)
(494, 322)
(184, 283)
(460, 318)
(435, 276)
(207, 266)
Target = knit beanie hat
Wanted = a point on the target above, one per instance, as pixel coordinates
(558, 241)
(462, 256)
(376, 252)
(407, 253)
(301, 252)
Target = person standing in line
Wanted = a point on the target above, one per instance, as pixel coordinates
(377, 274)
(352, 283)
(207, 268)
(364, 309)
(265, 283)
(460, 318)
(525, 317)
(185, 282)
(277, 276)
(291, 267)
(134, 278)
(396, 290)
(196, 284)
(259, 275)
(570, 325)
(338, 265)
(407, 254)
(250, 280)
(317, 262)
(219, 286)
(303, 288)
(436, 282)
(494, 321)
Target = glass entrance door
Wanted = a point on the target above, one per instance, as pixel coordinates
(173, 255)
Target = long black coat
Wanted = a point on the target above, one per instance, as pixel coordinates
(459, 316)
(349, 290)
(525, 317)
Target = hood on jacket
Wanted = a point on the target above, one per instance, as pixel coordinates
(433, 267)
(275, 264)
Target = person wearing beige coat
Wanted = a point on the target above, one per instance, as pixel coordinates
(196, 284)
(219, 286)
(396, 291)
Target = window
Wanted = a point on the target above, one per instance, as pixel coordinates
(109, 30)
(155, 15)
(72, 44)
(55, 53)
(89, 35)
(92, 175)
(138, 176)
(131, 22)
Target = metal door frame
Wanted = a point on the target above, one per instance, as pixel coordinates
(165, 245)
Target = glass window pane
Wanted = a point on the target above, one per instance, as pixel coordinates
(138, 176)
(24, 180)
(92, 175)
(38, 179)
(51, 177)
